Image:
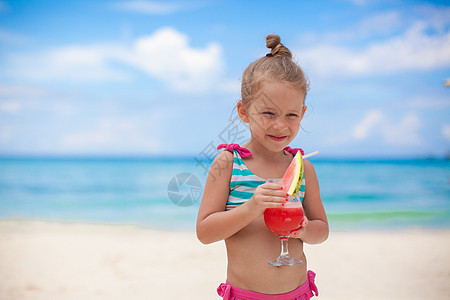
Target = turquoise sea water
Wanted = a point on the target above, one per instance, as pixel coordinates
(374, 194)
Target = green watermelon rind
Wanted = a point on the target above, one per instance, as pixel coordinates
(300, 179)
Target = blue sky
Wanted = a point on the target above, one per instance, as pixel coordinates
(162, 77)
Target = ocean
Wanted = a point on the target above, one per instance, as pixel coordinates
(165, 193)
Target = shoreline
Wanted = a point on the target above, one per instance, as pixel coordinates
(49, 259)
(371, 222)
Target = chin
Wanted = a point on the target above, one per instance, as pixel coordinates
(277, 147)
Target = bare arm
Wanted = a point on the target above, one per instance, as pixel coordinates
(213, 222)
(316, 229)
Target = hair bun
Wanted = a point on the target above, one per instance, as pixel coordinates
(273, 42)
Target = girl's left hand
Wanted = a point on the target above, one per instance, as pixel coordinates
(299, 233)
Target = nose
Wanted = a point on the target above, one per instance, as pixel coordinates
(280, 124)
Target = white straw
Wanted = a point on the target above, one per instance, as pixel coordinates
(310, 154)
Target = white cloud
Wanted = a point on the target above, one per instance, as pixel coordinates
(376, 25)
(376, 125)
(415, 49)
(6, 133)
(74, 63)
(446, 131)
(114, 134)
(382, 23)
(438, 102)
(20, 91)
(18, 98)
(438, 17)
(362, 130)
(358, 2)
(150, 7)
(10, 106)
(403, 133)
(165, 55)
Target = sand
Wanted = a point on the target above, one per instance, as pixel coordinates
(55, 260)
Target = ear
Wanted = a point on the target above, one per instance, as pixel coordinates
(242, 111)
(303, 112)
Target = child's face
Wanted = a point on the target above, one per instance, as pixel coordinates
(274, 115)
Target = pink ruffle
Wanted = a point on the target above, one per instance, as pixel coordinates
(312, 282)
(243, 152)
(294, 151)
(305, 291)
(224, 290)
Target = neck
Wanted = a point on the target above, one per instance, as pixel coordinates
(259, 150)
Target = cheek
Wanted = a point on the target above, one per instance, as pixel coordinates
(259, 121)
(294, 125)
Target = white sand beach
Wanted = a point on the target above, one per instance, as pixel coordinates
(54, 260)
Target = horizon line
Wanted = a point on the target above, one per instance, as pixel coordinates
(154, 156)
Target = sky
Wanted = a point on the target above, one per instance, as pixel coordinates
(120, 78)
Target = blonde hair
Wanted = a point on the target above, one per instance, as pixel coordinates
(275, 66)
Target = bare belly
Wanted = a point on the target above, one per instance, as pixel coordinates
(249, 252)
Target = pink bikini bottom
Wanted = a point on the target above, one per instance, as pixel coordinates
(303, 292)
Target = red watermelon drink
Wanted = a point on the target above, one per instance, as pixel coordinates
(283, 221)
(289, 218)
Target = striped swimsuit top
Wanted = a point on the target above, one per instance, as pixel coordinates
(243, 181)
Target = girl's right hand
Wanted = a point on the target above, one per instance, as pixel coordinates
(267, 195)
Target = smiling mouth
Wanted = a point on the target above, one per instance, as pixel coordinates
(277, 138)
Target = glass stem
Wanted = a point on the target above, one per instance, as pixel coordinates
(284, 246)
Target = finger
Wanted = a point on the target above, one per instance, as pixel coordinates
(274, 192)
(274, 198)
(305, 222)
(273, 205)
(282, 195)
(298, 233)
(272, 186)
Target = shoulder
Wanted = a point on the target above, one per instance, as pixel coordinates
(308, 164)
(310, 172)
(224, 157)
(222, 166)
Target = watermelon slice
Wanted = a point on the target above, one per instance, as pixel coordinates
(292, 178)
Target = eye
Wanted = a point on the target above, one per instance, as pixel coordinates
(292, 116)
(269, 114)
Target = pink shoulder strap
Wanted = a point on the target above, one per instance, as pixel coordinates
(243, 152)
(294, 151)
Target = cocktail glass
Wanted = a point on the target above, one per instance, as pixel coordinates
(283, 221)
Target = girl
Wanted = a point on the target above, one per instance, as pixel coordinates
(235, 196)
